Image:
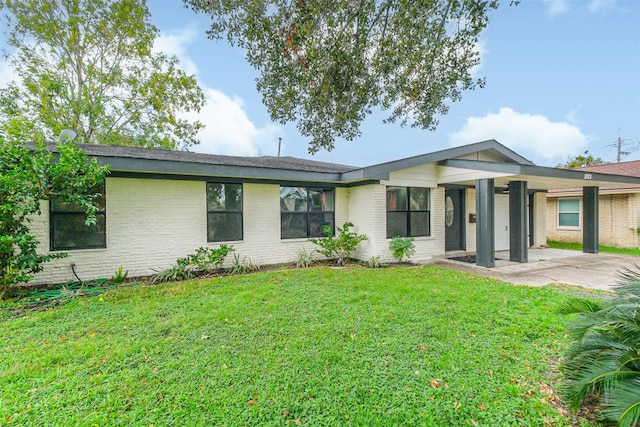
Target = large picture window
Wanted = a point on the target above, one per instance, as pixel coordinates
(68, 230)
(224, 212)
(303, 211)
(408, 212)
(569, 213)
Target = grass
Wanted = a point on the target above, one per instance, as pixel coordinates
(607, 249)
(317, 347)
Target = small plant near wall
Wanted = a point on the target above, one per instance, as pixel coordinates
(241, 266)
(203, 261)
(374, 262)
(402, 247)
(305, 259)
(120, 276)
(339, 247)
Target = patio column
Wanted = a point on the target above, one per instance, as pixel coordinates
(590, 231)
(518, 243)
(485, 223)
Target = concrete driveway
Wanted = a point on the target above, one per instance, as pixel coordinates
(545, 266)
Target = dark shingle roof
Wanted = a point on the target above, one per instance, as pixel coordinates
(285, 163)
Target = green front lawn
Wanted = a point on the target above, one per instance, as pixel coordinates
(317, 347)
(607, 249)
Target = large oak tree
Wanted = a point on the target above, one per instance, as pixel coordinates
(328, 64)
(88, 65)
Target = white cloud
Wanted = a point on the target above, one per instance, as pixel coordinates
(533, 136)
(556, 7)
(481, 48)
(228, 130)
(175, 43)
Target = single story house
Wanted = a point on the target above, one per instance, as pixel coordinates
(160, 205)
(619, 223)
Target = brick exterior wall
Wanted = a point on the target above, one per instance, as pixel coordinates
(618, 222)
(151, 223)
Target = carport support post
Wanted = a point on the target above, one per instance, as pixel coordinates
(590, 230)
(518, 221)
(485, 235)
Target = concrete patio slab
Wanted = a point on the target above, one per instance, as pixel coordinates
(545, 266)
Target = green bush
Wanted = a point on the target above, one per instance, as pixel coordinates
(241, 266)
(204, 260)
(604, 360)
(402, 247)
(339, 247)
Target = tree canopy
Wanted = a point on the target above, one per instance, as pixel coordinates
(88, 65)
(582, 160)
(328, 64)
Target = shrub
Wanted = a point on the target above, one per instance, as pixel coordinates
(339, 247)
(204, 260)
(402, 247)
(604, 360)
(305, 259)
(120, 276)
(209, 259)
(374, 262)
(239, 266)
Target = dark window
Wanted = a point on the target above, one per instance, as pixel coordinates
(224, 212)
(68, 228)
(408, 212)
(303, 211)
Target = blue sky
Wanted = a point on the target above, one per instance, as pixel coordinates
(563, 76)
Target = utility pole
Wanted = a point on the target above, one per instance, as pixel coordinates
(619, 148)
(280, 145)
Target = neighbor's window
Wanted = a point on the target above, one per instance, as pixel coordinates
(224, 212)
(303, 211)
(68, 230)
(408, 212)
(569, 213)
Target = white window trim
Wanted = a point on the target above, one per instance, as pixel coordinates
(569, 227)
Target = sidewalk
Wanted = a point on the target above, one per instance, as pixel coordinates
(545, 266)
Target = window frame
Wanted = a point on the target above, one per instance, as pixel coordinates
(102, 213)
(225, 212)
(578, 212)
(308, 213)
(407, 210)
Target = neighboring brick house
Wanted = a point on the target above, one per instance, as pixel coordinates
(619, 208)
(161, 205)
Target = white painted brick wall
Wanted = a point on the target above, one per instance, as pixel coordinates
(539, 219)
(368, 211)
(151, 223)
(470, 195)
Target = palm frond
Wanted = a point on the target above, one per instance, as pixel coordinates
(623, 403)
(573, 305)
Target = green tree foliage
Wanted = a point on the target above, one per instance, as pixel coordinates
(327, 65)
(604, 360)
(88, 65)
(582, 160)
(29, 175)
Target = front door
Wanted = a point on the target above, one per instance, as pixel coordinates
(454, 220)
